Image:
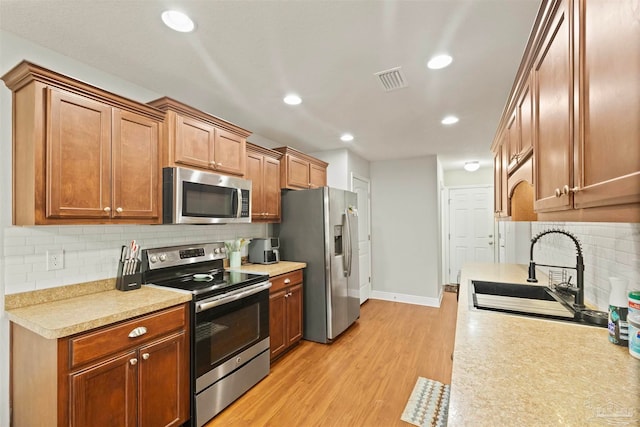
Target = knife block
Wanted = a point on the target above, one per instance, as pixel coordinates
(127, 282)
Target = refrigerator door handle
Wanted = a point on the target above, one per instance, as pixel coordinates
(350, 249)
(345, 248)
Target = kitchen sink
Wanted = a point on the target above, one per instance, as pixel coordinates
(527, 300)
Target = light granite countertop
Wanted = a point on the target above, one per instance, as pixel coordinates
(60, 312)
(282, 267)
(515, 370)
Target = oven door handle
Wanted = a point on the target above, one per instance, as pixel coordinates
(231, 296)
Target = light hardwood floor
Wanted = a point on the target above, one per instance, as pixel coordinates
(363, 379)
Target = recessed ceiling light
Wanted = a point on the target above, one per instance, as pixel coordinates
(471, 166)
(346, 137)
(292, 99)
(449, 120)
(439, 61)
(177, 21)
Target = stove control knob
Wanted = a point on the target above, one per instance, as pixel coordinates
(223, 250)
(216, 250)
(153, 259)
(163, 257)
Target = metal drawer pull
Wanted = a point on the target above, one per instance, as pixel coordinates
(139, 331)
(133, 361)
(287, 281)
(145, 356)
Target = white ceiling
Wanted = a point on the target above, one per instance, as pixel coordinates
(246, 55)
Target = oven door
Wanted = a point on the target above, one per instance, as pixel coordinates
(230, 330)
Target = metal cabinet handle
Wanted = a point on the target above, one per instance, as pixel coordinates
(119, 210)
(145, 356)
(287, 281)
(107, 209)
(219, 164)
(490, 243)
(557, 192)
(574, 189)
(139, 331)
(133, 361)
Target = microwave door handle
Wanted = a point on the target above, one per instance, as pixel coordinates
(239, 200)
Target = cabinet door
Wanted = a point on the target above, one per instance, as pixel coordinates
(256, 175)
(104, 395)
(500, 164)
(271, 187)
(230, 153)
(297, 173)
(513, 141)
(317, 176)
(194, 142)
(78, 157)
(294, 314)
(135, 166)
(277, 322)
(525, 120)
(553, 115)
(608, 172)
(163, 391)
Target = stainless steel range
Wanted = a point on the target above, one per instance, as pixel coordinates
(229, 322)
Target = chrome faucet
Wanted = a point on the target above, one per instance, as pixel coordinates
(578, 291)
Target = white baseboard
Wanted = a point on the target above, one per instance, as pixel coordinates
(408, 299)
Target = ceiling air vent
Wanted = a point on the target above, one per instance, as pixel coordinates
(392, 79)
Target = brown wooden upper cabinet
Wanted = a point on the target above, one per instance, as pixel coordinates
(520, 132)
(81, 155)
(300, 171)
(263, 169)
(501, 197)
(578, 81)
(199, 140)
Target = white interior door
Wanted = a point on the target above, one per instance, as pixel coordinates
(471, 228)
(361, 187)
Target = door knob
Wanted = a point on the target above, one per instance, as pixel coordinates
(107, 209)
(133, 361)
(145, 356)
(119, 210)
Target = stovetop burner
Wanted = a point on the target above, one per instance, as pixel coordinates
(194, 268)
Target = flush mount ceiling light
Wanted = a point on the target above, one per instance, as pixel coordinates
(177, 21)
(471, 166)
(439, 61)
(346, 137)
(292, 99)
(449, 120)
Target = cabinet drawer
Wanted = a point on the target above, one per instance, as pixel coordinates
(112, 339)
(282, 281)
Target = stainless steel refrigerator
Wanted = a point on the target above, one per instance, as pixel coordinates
(320, 227)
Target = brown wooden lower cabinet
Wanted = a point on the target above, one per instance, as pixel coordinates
(285, 312)
(109, 376)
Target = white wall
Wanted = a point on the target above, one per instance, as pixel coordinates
(460, 177)
(357, 166)
(609, 250)
(405, 230)
(90, 251)
(342, 163)
(338, 169)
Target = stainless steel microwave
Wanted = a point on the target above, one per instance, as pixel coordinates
(190, 196)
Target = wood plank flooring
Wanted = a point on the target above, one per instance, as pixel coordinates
(363, 379)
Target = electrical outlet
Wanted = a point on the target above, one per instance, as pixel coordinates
(55, 259)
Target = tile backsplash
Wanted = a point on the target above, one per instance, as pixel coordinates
(91, 252)
(609, 250)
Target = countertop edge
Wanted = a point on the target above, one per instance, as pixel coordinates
(21, 317)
